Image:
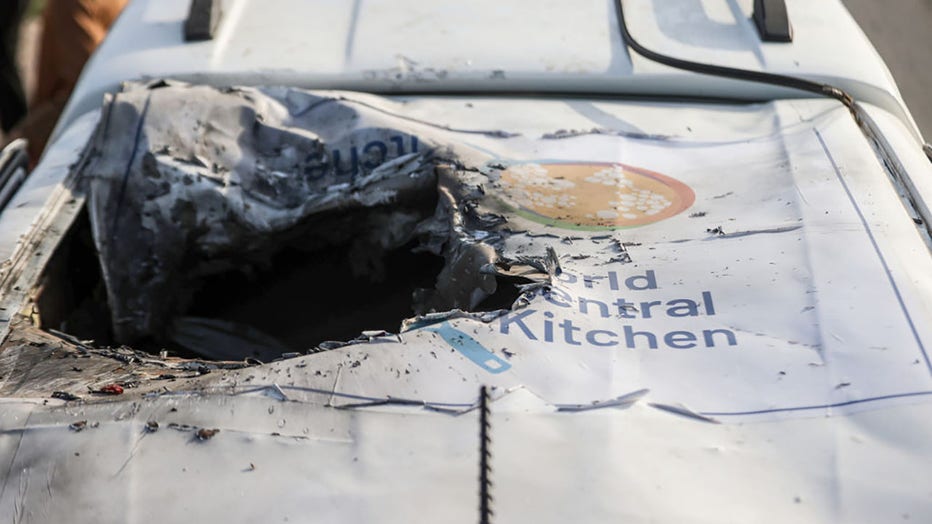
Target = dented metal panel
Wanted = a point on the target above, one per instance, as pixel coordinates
(723, 306)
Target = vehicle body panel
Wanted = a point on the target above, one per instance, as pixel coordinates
(517, 47)
(789, 297)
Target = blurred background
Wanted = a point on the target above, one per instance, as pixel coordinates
(28, 50)
(45, 45)
(899, 30)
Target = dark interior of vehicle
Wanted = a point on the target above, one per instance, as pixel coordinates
(316, 287)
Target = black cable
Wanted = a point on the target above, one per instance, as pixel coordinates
(882, 149)
(729, 72)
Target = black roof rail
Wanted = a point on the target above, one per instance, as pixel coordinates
(772, 21)
(202, 21)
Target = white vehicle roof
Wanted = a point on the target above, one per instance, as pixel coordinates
(727, 303)
(487, 46)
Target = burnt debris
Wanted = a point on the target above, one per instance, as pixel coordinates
(234, 224)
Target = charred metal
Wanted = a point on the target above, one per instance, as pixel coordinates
(266, 222)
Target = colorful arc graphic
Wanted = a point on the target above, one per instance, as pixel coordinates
(593, 195)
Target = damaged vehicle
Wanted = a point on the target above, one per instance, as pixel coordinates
(371, 261)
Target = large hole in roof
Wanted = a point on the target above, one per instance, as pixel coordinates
(319, 285)
(304, 297)
(244, 222)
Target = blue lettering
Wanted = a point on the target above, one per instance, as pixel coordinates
(518, 321)
(680, 339)
(377, 157)
(352, 167)
(590, 336)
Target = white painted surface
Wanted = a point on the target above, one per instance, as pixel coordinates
(490, 46)
(824, 399)
(401, 465)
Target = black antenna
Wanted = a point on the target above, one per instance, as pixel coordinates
(485, 457)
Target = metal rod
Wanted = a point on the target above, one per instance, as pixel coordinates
(485, 457)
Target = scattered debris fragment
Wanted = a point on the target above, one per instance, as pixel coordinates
(152, 426)
(78, 426)
(206, 434)
(572, 133)
(621, 248)
(64, 395)
(111, 389)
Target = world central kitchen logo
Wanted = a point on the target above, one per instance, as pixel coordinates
(593, 196)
